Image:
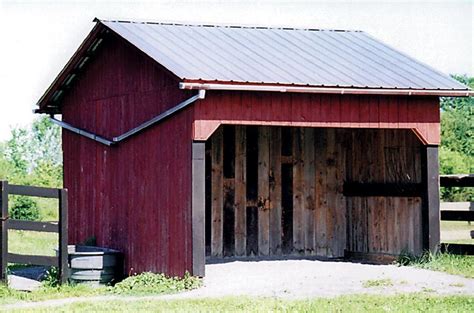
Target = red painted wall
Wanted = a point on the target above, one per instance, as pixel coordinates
(134, 197)
(314, 110)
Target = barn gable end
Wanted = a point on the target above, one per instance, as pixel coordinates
(134, 197)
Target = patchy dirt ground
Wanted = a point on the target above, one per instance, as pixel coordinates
(297, 279)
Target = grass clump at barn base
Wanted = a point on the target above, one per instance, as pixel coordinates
(150, 283)
(136, 285)
(442, 262)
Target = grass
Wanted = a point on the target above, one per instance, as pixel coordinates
(32, 243)
(377, 283)
(137, 285)
(443, 262)
(48, 208)
(8, 295)
(420, 302)
(456, 226)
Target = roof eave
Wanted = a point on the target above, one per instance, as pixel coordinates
(327, 90)
(45, 104)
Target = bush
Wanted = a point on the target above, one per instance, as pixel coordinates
(155, 284)
(24, 208)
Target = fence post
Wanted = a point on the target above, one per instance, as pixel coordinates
(3, 230)
(63, 236)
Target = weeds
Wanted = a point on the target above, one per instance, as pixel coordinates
(441, 261)
(146, 283)
(386, 282)
(52, 277)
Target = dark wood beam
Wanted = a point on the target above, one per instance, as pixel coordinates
(198, 207)
(466, 180)
(355, 189)
(430, 214)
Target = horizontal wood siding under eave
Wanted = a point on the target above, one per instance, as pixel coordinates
(134, 197)
(348, 111)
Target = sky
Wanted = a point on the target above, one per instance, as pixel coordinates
(39, 37)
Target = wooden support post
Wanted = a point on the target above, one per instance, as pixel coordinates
(263, 191)
(198, 208)
(430, 214)
(63, 236)
(240, 190)
(217, 159)
(3, 230)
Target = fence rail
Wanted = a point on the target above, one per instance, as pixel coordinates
(61, 260)
(457, 211)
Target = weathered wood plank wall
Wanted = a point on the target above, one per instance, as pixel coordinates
(291, 184)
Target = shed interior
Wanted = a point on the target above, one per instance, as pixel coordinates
(312, 191)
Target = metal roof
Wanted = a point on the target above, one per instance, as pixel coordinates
(264, 59)
(286, 56)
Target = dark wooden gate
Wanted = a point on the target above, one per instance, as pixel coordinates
(61, 261)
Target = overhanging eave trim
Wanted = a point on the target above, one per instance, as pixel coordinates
(328, 90)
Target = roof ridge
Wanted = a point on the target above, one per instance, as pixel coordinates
(220, 25)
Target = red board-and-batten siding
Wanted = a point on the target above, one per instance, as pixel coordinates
(136, 196)
(315, 110)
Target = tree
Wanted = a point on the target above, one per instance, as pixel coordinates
(33, 154)
(457, 141)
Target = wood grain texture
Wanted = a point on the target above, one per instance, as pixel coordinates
(309, 189)
(275, 191)
(298, 191)
(217, 193)
(240, 190)
(263, 202)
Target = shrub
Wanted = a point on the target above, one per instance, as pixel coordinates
(24, 208)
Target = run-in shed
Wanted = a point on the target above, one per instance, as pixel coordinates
(190, 141)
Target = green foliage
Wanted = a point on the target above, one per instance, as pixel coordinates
(33, 155)
(441, 261)
(150, 283)
(457, 141)
(52, 278)
(24, 208)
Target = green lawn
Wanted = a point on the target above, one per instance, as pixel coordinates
(32, 243)
(354, 303)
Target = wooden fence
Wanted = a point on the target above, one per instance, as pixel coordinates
(61, 260)
(458, 211)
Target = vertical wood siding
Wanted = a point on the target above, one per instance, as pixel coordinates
(300, 208)
(135, 197)
(348, 111)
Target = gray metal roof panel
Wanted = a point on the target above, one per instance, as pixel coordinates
(280, 56)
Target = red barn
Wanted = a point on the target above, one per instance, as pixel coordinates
(187, 142)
